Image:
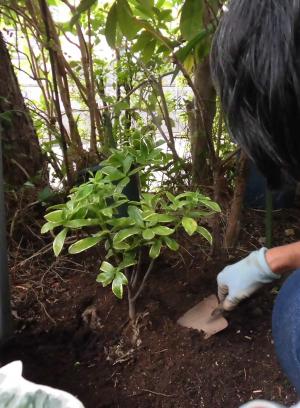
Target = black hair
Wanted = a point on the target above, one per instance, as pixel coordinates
(255, 62)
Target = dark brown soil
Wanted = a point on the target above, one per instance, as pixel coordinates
(91, 356)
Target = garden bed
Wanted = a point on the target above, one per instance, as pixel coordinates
(72, 334)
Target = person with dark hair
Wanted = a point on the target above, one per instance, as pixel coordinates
(255, 63)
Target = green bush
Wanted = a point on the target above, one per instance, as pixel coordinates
(151, 223)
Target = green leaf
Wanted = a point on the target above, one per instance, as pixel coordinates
(119, 202)
(84, 191)
(127, 163)
(117, 285)
(206, 234)
(144, 38)
(107, 275)
(170, 196)
(111, 26)
(80, 213)
(55, 216)
(129, 260)
(189, 224)
(171, 243)
(122, 184)
(148, 199)
(121, 105)
(155, 32)
(59, 241)
(191, 20)
(102, 233)
(56, 207)
(49, 226)
(106, 267)
(81, 223)
(124, 234)
(109, 254)
(149, 215)
(166, 15)
(108, 212)
(122, 222)
(146, 6)
(136, 170)
(189, 194)
(46, 194)
(113, 173)
(186, 50)
(126, 21)
(155, 217)
(136, 214)
(148, 51)
(155, 249)
(121, 246)
(84, 5)
(161, 230)
(105, 278)
(84, 244)
(148, 234)
(166, 218)
(211, 204)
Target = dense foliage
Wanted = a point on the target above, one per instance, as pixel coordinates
(103, 209)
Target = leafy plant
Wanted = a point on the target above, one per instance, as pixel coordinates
(150, 224)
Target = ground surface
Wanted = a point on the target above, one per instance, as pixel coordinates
(72, 334)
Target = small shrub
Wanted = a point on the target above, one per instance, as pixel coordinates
(151, 223)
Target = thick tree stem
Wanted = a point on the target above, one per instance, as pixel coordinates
(44, 12)
(201, 125)
(21, 148)
(234, 219)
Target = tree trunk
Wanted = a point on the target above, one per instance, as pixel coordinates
(234, 218)
(23, 157)
(201, 123)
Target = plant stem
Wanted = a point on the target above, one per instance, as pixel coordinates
(131, 305)
(137, 271)
(134, 298)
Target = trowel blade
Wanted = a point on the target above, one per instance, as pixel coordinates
(201, 317)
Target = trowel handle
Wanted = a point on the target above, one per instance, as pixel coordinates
(218, 310)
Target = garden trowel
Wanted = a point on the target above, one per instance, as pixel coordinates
(206, 316)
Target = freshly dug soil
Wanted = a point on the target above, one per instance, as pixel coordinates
(73, 334)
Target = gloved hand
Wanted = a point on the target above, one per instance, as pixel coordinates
(240, 280)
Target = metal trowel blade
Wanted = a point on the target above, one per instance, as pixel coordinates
(203, 317)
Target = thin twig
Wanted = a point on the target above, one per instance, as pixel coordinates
(134, 298)
(136, 272)
(43, 307)
(158, 393)
(45, 249)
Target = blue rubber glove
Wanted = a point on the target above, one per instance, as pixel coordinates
(240, 280)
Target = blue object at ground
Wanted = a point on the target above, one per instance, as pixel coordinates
(256, 187)
(286, 328)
